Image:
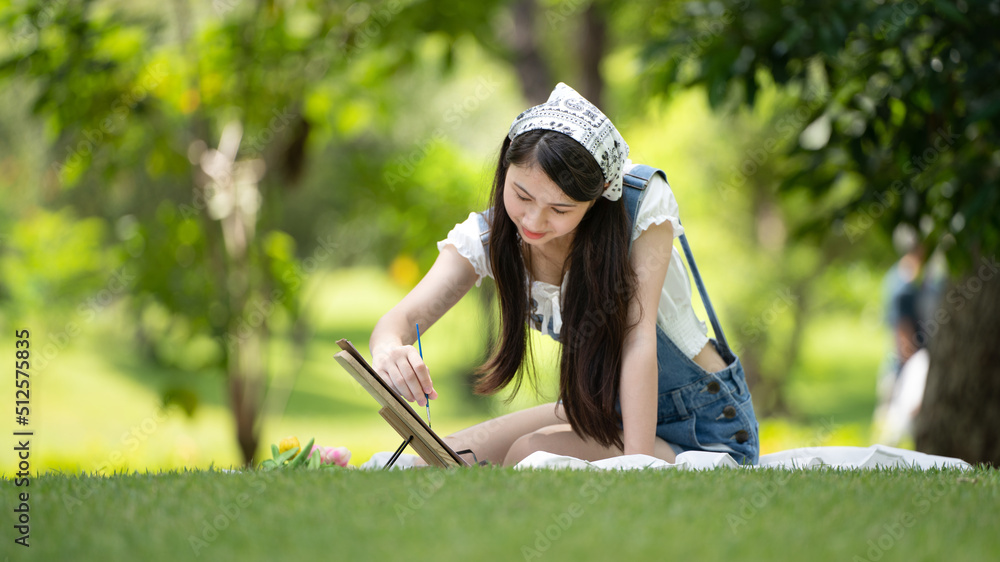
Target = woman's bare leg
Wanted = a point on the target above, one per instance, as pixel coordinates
(560, 439)
(510, 438)
(492, 439)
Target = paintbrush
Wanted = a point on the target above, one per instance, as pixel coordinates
(427, 397)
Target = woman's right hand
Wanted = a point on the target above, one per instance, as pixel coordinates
(402, 368)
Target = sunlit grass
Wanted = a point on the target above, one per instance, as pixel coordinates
(503, 514)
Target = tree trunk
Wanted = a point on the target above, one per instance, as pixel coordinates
(532, 71)
(593, 42)
(244, 416)
(960, 415)
(246, 390)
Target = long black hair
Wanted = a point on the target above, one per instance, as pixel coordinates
(595, 302)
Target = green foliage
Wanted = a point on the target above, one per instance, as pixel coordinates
(53, 259)
(131, 98)
(897, 105)
(292, 458)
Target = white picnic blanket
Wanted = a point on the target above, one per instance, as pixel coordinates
(876, 456)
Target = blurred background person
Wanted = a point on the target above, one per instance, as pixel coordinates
(909, 294)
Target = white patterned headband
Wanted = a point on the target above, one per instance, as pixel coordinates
(569, 113)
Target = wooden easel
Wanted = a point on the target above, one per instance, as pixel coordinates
(398, 413)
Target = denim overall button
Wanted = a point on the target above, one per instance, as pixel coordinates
(729, 412)
(742, 436)
(713, 387)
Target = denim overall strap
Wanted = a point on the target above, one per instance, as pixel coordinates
(635, 183)
(634, 191)
(484, 229)
(704, 293)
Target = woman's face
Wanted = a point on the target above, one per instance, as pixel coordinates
(542, 212)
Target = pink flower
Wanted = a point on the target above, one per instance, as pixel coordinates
(332, 455)
(338, 456)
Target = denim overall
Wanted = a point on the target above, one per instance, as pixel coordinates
(696, 410)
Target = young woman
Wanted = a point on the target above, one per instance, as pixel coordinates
(573, 258)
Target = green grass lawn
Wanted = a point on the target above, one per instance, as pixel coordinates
(503, 514)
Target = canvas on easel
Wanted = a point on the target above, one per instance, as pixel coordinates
(397, 412)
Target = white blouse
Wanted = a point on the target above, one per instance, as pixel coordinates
(675, 315)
